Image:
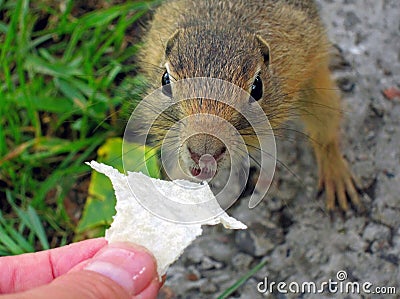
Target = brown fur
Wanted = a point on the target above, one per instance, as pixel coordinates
(231, 40)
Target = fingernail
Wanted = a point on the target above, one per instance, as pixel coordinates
(131, 267)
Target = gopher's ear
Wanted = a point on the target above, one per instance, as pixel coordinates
(171, 42)
(264, 48)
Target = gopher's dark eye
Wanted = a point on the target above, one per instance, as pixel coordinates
(166, 89)
(257, 88)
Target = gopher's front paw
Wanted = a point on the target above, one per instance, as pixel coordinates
(337, 181)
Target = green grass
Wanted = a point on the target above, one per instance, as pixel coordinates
(64, 75)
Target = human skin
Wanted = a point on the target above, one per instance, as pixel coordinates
(87, 269)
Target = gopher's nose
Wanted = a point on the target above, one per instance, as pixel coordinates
(201, 144)
(217, 155)
(205, 151)
(207, 164)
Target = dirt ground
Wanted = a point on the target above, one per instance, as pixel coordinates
(291, 231)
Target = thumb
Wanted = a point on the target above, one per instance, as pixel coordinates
(120, 271)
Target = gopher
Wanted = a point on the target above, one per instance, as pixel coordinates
(277, 51)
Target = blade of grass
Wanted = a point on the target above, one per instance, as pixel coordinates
(31, 220)
(17, 151)
(7, 46)
(57, 70)
(8, 243)
(37, 227)
(242, 280)
(16, 236)
(48, 147)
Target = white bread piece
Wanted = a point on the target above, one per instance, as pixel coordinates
(164, 238)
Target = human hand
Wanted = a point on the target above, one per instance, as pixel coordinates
(87, 269)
